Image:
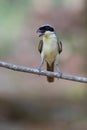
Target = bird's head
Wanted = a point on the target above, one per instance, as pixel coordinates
(45, 29)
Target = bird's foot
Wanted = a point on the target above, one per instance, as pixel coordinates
(59, 74)
(39, 69)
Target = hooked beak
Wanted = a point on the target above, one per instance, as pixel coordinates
(41, 32)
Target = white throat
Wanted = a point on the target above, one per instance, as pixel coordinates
(50, 34)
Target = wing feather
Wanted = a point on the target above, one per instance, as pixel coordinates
(59, 46)
(40, 46)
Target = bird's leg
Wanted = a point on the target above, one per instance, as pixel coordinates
(58, 69)
(41, 65)
(57, 66)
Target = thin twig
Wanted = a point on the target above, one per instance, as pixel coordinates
(44, 73)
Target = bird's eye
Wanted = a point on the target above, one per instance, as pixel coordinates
(42, 31)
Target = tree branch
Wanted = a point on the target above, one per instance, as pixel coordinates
(44, 73)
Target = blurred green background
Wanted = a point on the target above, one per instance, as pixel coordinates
(28, 101)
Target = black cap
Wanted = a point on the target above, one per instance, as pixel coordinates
(46, 27)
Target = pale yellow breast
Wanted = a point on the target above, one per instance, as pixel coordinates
(50, 49)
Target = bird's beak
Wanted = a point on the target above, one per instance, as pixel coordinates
(41, 32)
(38, 31)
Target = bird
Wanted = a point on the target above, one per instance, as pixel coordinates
(49, 47)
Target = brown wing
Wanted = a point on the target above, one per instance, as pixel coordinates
(40, 46)
(59, 46)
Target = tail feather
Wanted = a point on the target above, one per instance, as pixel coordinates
(50, 68)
